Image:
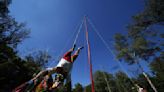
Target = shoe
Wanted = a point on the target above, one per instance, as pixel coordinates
(74, 45)
(81, 47)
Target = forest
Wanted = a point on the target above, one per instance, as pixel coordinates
(142, 42)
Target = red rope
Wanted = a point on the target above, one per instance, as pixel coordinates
(89, 55)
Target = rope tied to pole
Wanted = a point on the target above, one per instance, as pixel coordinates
(77, 35)
(109, 49)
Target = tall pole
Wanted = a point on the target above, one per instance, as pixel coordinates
(106, 80)
(145, 75)
(89, 54)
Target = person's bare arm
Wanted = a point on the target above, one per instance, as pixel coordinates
(40, 74)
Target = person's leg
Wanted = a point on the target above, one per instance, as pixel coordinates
(73, 57)
(40, 74)
(69, 52)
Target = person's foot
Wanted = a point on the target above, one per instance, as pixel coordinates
(74, 45)
(80, 48)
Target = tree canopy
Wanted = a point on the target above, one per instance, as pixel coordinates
(13, 69)
(142, 43)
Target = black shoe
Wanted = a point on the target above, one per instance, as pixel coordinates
(81, 47)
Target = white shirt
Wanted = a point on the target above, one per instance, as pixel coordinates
(67, 66)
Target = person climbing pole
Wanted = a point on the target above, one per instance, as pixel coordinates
(63, 70)
(64, 67)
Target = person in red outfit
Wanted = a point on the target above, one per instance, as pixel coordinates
(63, 70)
(65, 65)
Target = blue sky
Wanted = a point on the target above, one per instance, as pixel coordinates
(53, 22)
